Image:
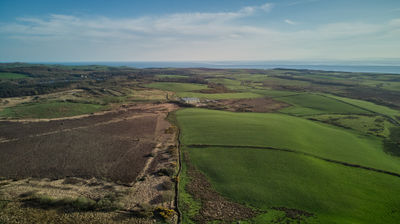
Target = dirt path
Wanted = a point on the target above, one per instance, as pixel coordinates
(302, 153)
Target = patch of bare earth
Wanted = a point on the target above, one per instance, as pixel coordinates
(213, 205)
(112, 153)
(260, 105)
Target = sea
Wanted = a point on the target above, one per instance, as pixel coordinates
(392, 67)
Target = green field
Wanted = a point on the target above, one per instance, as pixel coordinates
(188, 90)
(176, 87)
(310, 104)
(217, 96)
(8, 75)
(375, 125)
(202, 126)
(173, 76)
(392, 113)
(265, 178)
(50, 110)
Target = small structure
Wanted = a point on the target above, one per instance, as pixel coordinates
(190, 100)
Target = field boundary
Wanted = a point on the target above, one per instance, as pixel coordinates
(393, 121)
(172, 120)
(299, 152)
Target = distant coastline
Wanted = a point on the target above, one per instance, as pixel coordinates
(392, 68)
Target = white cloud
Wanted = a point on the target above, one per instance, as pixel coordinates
(301, 2)
(395, 22)
(267, 7)
(288, 21)
(192, 36)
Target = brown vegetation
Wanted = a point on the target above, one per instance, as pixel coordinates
(88, 165)
(260, 105)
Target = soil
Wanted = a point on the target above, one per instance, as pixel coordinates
(260, 105)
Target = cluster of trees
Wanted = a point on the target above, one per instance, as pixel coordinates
(8, 89)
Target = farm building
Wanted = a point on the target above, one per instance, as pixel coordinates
(190, 100)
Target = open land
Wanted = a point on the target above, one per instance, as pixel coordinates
(99, 144)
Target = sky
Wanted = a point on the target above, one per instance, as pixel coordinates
(207, 30)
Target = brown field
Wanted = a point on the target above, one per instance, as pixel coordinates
(259, 105)
(121, 152)
(111, 146)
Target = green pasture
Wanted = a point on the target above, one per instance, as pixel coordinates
(310, 104)
(394, 114)
(176, 87)
(9, 75)
(188, 90)
(219, 96)
(173, 76)
(201, 126)
(375, 125)
(333, 193)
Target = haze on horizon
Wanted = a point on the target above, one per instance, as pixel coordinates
(179, 30)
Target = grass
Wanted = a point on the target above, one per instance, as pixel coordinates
(200, 126)
(188, 205)
(107, 203)
(188, 90)
(176, 87)
(375, 125)
(8, 75)
(53, 109)
(370, 106)
(173, 76)
(272, 93)
(265, 179)
(220, 96)
(310, 104)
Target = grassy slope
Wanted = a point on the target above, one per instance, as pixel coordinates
(50, 110)
(186, 90)
(371, 106)
(200, 126)
(309, 104)
(264, 179)
(176, 87)
(376, 125)
(216, 96)
(8, 75)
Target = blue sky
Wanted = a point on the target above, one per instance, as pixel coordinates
(184, 30)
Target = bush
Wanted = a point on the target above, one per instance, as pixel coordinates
(108, 203)
(166, 172)
(84, 204)
(167, 185)
(165, 213)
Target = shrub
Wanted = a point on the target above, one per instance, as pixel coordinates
(165, 213)
(166, 172)
(167, 185)
(172, 150)
(84, 204)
